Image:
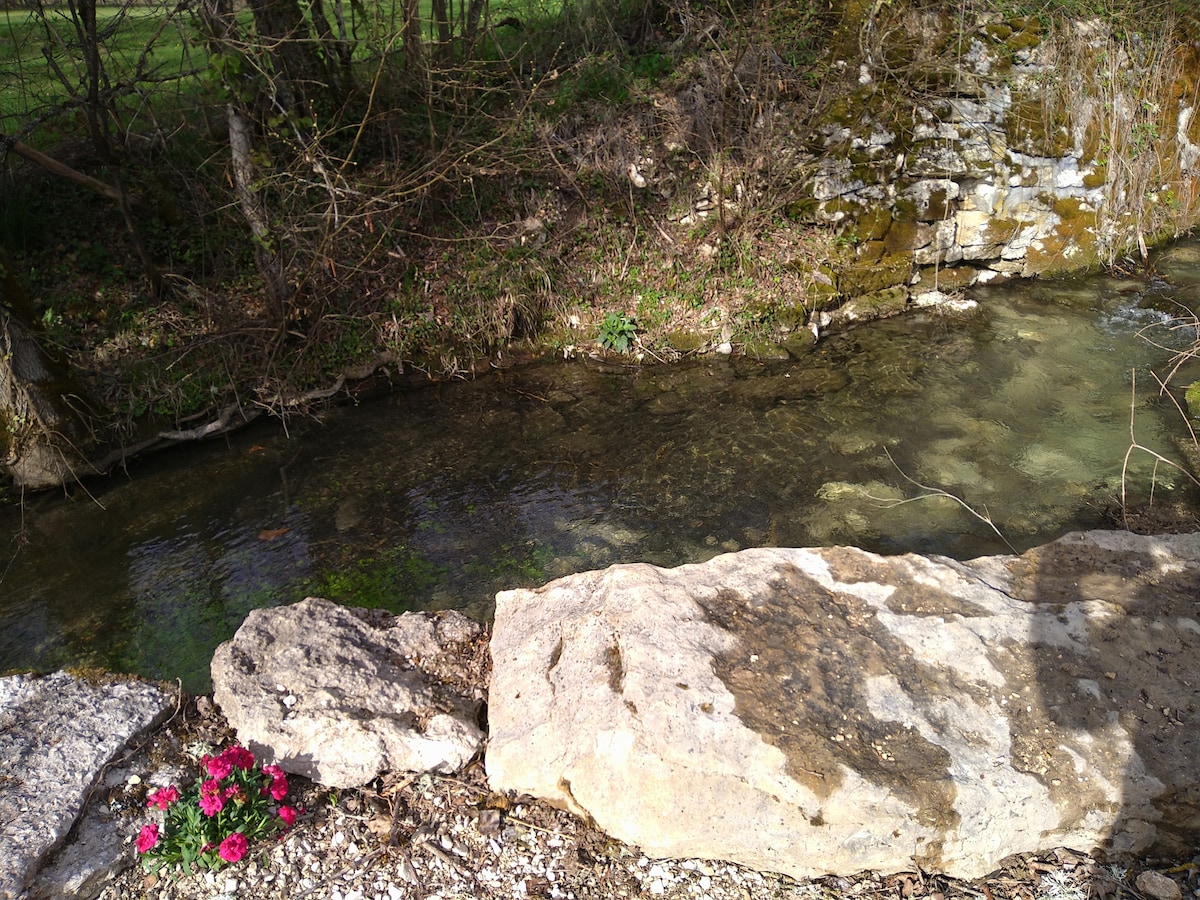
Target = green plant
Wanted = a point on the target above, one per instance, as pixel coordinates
(213, 822)
(617, 332)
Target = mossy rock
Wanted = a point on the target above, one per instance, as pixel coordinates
(1023, 40)
(799, 343)
(1098, 177)
(869, 253)
(1192, 397)
(946, 278)
(1071, 247)
(1033, 126)
(891, 270)
(806, 210)
(687, 341)
(822, 294)
(873, 223)
(998, 31)
(904, 236)
(876, 304)
(760, 348)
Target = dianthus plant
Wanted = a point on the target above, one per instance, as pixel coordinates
(212, 823)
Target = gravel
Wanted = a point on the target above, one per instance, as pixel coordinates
(441, 838)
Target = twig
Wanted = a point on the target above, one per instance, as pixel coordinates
(1134, 445)
(983, 517)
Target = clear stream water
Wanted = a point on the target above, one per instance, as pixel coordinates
(440, 497)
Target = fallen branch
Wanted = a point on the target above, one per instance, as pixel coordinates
(61, 169)
(232, 418)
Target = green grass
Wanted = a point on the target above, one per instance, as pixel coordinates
(137, 44)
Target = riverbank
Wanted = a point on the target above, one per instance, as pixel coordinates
(706, 183)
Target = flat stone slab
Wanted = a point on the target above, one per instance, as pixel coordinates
(57, 733)
(831, 710)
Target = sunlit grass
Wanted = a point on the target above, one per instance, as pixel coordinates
(143, 52)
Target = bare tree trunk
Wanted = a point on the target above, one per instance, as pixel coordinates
(335, 50)
(266, 250)
(45, 436)
(413, 56)
(441, 17)
(475, 10)
(83, 14)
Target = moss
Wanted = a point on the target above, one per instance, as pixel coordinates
(1023, 40)
(873, 223)
(1071, 247)
(1073, 208)
(803, 210)
(998, 31)
(1192, 397)
(857, 280)
(869, 253)
(1098, 177)
(946, 278)
(800, 343)
(760, 348)
(1036, 127)
(906, 236)
(687, 341)
(877, 304)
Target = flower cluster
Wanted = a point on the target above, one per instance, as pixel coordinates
(214, 821)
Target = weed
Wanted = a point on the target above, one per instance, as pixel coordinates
(617, 332)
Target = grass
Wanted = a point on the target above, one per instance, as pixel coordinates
(139, 46)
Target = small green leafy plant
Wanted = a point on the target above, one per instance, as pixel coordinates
(214, 821)
(617, 332)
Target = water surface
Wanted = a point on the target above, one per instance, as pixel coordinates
(440, 497)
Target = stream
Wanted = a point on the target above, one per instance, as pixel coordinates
(924, 433)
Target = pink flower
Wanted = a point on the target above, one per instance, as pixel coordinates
(288, 814)
(278, 787)
(233, 847)
(217, 766)
(147, 838)
(163, 797)
(211, 799)
(239, 758)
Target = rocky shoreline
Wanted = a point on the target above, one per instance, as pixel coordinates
(639, 707)
(442, 837)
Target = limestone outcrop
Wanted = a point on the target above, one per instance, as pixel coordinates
(57, 735)
(831, 710)
(985, 171)
(341, 695)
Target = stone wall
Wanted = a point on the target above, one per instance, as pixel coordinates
(975, 152)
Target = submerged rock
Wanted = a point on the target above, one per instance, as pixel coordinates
(831, 710)
(342, 695)
(57, 735)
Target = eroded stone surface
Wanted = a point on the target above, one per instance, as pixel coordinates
(342, 695)
(830, 710)
(57, 734)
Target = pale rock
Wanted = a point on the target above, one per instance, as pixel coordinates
(831, 710)
(1158, 886)
(369, 692)
(57, 735)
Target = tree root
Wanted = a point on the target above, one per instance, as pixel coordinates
(232, 418)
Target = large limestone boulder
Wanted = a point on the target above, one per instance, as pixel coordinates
(57, 736)
(342, 695)
(831, 710)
